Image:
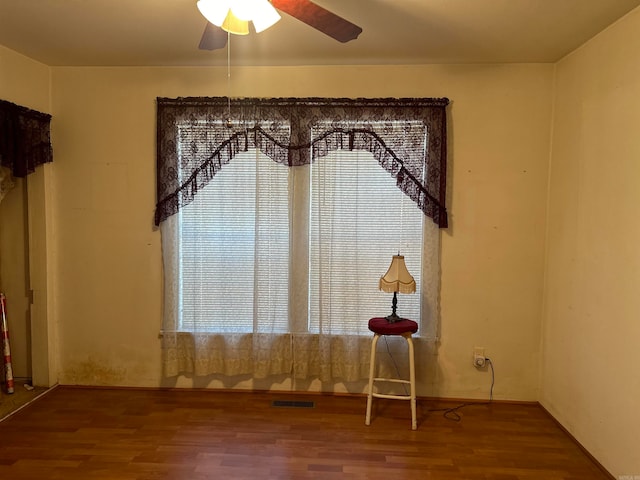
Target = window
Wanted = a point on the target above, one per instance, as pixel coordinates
(234, 246)
(276, 231)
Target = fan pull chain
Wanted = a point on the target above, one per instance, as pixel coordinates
(402, 195)
(228, 80)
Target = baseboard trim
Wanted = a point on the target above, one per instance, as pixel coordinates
(477, 400)
(302, 392)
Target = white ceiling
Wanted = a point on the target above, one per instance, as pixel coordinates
(167, 32)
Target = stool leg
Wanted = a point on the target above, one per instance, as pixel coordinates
(372, 369)
(412, 380)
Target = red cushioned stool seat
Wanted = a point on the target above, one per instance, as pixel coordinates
(405, 328)
(381, 326)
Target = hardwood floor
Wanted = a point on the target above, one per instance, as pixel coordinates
(9, 403)
(80, 433)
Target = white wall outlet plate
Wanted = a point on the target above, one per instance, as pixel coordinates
(478, 357)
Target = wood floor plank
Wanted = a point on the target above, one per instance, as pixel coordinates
(102, 434)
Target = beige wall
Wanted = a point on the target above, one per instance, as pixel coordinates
(109, 263)
(24, 82)
(591, 375)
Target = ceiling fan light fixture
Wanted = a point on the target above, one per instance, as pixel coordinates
(215, 11)
(233, 16)
(264, 13)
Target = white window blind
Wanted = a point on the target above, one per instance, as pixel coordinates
(233, 254)
(359, 219)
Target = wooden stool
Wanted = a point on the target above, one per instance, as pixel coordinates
(404, 328)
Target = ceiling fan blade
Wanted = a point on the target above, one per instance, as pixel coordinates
(319, 18)
(213, 38)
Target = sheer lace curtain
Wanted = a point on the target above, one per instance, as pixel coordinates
(200, 287)
(6, 181)
(201, 138)
(358, 220)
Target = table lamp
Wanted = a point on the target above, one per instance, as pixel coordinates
(397, 279)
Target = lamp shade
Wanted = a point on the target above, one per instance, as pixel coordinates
(397, 278)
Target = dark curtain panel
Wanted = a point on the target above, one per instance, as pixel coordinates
(25, 140)
(298, 131)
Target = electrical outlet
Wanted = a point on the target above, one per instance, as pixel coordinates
(478, 357)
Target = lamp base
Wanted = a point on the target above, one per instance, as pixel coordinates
(393, 318)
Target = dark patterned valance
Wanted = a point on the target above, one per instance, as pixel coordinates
(25, 140)
(297, 131)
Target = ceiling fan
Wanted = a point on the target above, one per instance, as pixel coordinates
(320, 18)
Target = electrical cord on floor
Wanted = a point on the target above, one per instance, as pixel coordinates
(453, 412)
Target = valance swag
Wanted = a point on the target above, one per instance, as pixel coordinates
(297, 131)
(24, 138)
